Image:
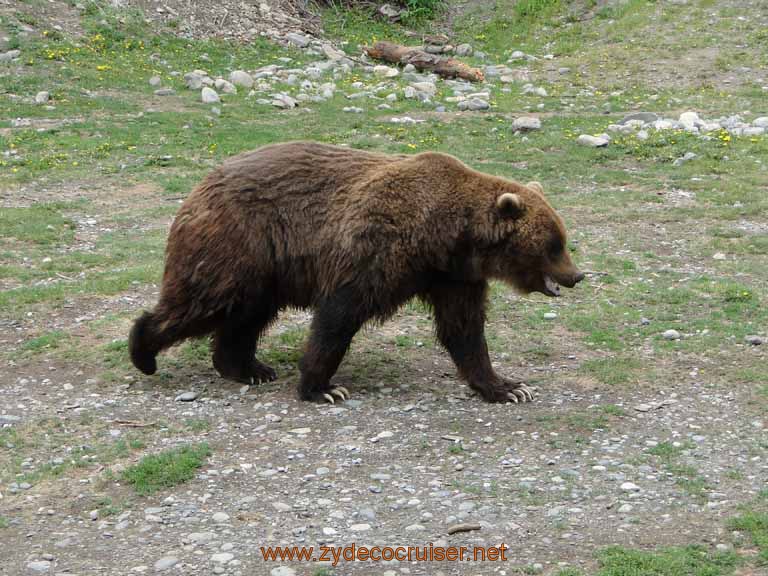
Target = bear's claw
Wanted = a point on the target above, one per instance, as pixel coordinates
(519, 392)
(339, 392)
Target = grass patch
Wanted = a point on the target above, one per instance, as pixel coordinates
(611, 371)
(45, 342)
(755, 525)
(166, 469)
(679, 561)
(41, 224)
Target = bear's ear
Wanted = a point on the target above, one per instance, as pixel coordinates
(536, 186)
(510, 205)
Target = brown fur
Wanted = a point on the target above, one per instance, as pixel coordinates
(352, 235)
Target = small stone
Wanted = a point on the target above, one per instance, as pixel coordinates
(155, 81)
(352, 109)
(753, 339)
(282, 571)
(10, 55)
(526, 124)
(690, 120)
(42, 97)
(644, 117)
(187, 397)
(630, 487)
(474, 105)
(761, 122)
(297, 39)
(592, 141)
(39, 566)
(684, 158)
(222, 557)
(165, 92)
(463, 50)
(209, 96)
(550, 315)
(385, 71)
(537, 568)
(671, 335)
(241, 78)
(165, 562)
(193, 80)
(220, 517)
(643, 407)
(625, 508)
(301, 431)
(360, 527)
(415, 528)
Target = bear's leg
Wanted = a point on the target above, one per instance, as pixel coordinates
(460, 324)
(336, 321)
(234, 347)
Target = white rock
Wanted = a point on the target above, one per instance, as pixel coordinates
(165, 562)
(630, 487)
(671, 335)
(301, 431)
(39, 566)
(193, 80)
(155, 81)
(761, 122)
(526, 123)
(209, 96)
(463, 50)
(550, 316)
(282, 571)
(220, 517)
(360, 527)
(225, 86)
(690, 120)
(297, 39)
(593, 141)
(624, 508)
(222, 557)
(241, 78)
(385, 71)
(753, 131)
(42, 97)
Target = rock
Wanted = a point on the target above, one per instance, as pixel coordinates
(671, 335)
(753, 131)
(222, 557)
(297, 39)
(516, 55)
(684, 158)
(474, 104)
(415, 528)
(644, 117)
(165, 92)
(193, 80)
(643, 407)
(225, 86)
(282, 571)
(187, 397)
(690, 120)
(209, 96)
(550, 316)
(39, 566)
(155, 81)
(537, 90)
(166, 562)
(360, 527)
(630, 487)
(352, 109)
(300, 431)
(526, 124)
(10, 55)
(9, 419)
(332, 53)
(220, 517)
(427, 88)
(625, 508)
(42, 97)
(241, 78)
(642, 135)
(592, 141)
(385, 71)
(761, 122)
(754, 340)
(463, 50)
(284, 101)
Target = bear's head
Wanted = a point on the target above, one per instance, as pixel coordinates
(529, 245)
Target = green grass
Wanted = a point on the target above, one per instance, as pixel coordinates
(45, 342)
(166, 469)
(4, 522)
(683, 561)
(755, 525)
(41, 224)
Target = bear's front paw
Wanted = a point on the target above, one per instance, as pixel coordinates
(505, 390)
(326, 395)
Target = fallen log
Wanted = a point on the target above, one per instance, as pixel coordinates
(440, 65)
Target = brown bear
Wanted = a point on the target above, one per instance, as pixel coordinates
(353, 235)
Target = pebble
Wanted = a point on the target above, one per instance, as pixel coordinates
(592, 141)
(463, 50)
(550, 315)
(222, 557)
(155, 81)
(754, 340)
(297, 39)
(282, 571)
(187, 397)
(220, 517)
(301, 431)
(39, 566)
(360, 527)
(10, 55)
(671, 335)
(684, 158)
(209, 96)
(193, 80)
(166, 562)
(526, 124)
(225, 86)
(644, 117)
(42, 97)
(165, 92)
(385, 71)
(625, 508)
(473, 104)
(630, 487)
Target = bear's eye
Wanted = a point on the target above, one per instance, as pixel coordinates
(555, 247)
